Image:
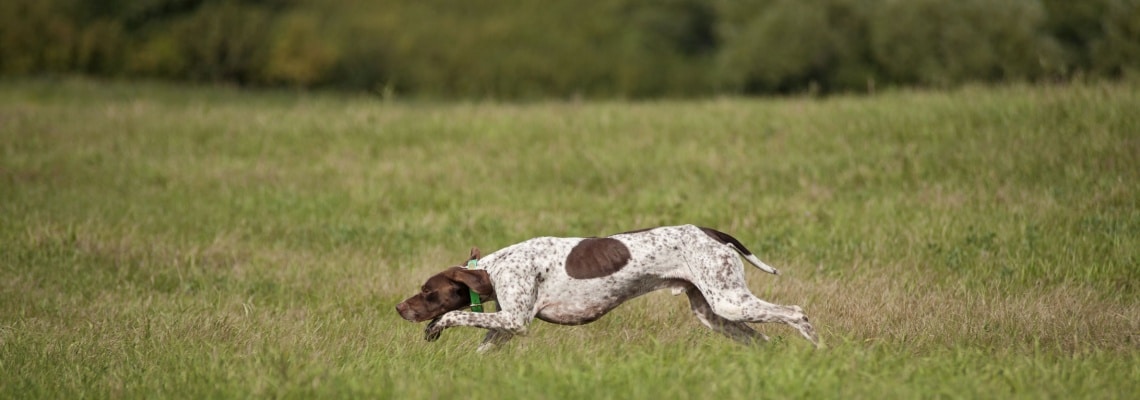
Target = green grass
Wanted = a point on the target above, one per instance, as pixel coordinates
(170, 241)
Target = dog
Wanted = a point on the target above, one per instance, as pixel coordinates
(574, 281)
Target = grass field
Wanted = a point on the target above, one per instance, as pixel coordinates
(167, 241)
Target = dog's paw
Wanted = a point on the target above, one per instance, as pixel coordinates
(432, 331)
(486, 347)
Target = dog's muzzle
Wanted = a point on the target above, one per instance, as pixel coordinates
(406, 312)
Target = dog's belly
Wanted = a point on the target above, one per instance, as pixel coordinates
(577, 307)
(574, 313)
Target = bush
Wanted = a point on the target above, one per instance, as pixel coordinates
(933, 42)
(100, 48)
(298, 53)
(1117, 52)
(791, 45)
(561, 48)
(225, 41)
(36, 36)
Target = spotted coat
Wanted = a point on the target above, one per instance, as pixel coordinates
(573, 281)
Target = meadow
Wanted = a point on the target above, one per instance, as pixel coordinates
(163, 241)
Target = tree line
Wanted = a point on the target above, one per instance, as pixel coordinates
(601, 48)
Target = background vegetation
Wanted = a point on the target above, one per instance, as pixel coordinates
(562, 48)
(170, 241)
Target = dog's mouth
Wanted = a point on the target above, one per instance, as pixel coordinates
(411, 315)
(408, 313)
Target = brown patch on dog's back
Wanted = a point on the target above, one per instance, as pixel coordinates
(596, 257)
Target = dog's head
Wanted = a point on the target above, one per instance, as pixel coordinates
(446, 291)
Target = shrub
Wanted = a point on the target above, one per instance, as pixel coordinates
(298, 53)
(1117, 52)
(560, 48)
(100, 48)
(791, 45)
(226, 41)
(36, 36)
(942, 43)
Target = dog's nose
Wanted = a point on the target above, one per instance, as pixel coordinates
(405, 312)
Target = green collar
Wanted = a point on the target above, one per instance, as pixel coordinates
(476, 302)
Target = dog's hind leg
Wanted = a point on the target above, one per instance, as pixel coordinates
(738, 331)
(741, 306)
(494, 338)
(722, 283)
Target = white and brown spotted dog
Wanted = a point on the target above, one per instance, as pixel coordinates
(573, 281)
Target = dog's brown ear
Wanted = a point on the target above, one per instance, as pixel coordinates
(475, 279)
(474, 254)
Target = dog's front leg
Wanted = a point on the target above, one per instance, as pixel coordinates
(512, 324)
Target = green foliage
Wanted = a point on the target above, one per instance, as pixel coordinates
(223, 42)
(1098, 36)
(1118, 52)
(787, 44)
(972, 40)
(562, 48)
(299, 55)
(35, 37)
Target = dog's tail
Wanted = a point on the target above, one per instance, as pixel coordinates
(739, 247)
